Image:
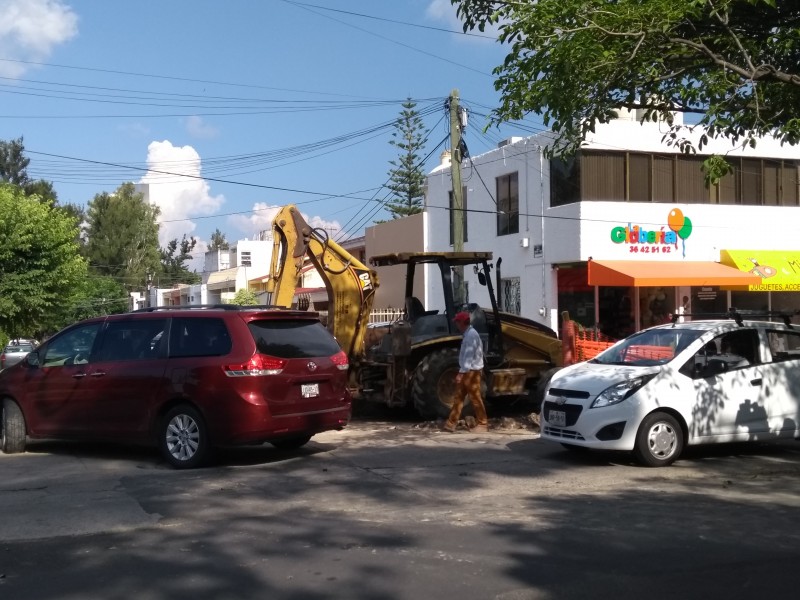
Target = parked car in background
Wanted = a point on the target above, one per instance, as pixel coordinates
(186, 379)
(697, 382)
(15, 351)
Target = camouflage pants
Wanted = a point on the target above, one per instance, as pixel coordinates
(470, 384)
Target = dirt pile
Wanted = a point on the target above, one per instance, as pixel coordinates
(529, 422)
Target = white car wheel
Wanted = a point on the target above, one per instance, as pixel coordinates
(659, 441)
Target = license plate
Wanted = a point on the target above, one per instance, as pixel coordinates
(309, 390)
(557, 418)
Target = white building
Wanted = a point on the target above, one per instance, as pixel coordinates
(228, 271)
(619, 234)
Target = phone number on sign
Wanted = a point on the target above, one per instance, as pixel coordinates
(651, 249)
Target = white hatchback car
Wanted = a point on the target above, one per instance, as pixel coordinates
(673, 385)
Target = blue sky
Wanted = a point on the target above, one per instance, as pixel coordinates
(261, 102)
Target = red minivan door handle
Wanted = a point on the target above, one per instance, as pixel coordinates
(78, 375)
(98, 374)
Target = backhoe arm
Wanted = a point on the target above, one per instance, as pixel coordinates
(350, 284)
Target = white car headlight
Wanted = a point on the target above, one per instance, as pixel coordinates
(620, 391)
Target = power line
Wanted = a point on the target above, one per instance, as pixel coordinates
(308, 8)
(170, 77)
(374, 18)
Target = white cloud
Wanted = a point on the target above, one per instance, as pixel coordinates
(263, 214)
(179, 198)
(444, 12)
(31, 29)
(198, 128)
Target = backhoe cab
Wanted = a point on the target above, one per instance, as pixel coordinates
(416, 360)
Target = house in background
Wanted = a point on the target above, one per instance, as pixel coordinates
(620, 233)
(246, 266)
(249, 262)
(406, 234)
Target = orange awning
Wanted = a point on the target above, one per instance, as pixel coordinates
(646, 273)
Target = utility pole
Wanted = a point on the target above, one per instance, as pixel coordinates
(457, 215)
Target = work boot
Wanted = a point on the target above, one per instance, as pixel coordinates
(480, 429)
(448, 426)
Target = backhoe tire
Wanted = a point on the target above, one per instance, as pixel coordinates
(434, 382)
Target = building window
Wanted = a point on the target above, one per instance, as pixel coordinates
(245, 260)
(644, 177)
(508, 204)
(453, 214)
(640, 178)
(565, 181)
(751, 181)
(511, 295)
(690, 183)
(603, 176)
(789, 192)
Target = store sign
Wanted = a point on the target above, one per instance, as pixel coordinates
(655, 241)
(779, 269)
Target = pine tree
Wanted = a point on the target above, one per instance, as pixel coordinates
(407, 179)
(218, 241)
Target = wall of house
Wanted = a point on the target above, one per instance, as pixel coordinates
(216, 260)
(260, 256)
(398, 235)
(577, 232)
(523, 254)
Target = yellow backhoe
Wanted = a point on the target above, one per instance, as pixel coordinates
(415, 361)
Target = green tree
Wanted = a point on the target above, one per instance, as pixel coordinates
(40, 267)
(173, 259)
(13, 162)
(14, 170)
(122, 237)
(407, 178)
(43, 190)
(99, 295)
(732, 62)
(245, 298)
(218, 241)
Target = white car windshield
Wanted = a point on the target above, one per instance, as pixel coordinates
(649, 347)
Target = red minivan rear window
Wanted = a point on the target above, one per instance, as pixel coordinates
(298, 338)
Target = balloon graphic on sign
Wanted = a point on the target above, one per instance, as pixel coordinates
(675, 219)
(686, 230)
(681, 225)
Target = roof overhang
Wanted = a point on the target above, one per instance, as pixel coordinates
(453, 258)
(645, 273)
(222, 280)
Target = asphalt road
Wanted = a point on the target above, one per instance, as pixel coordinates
(388, 511)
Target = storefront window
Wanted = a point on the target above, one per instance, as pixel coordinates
(786, 302)
(617, 319)
(750, 301)
(575, 296)
(656, 305)
(709, 300)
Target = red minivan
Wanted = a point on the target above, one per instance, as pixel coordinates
(186, 378)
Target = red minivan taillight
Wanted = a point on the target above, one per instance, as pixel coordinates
(260, 364)
(340, 360)
(3, 360)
